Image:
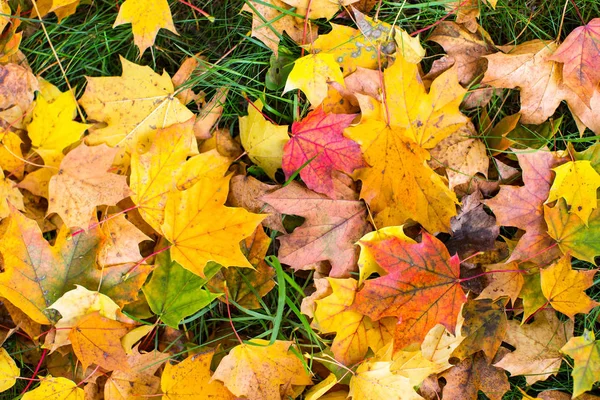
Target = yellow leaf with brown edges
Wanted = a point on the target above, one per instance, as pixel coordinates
(256, 370)
(565, 288)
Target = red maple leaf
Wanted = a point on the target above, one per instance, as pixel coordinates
(318, 142)
(421, 288)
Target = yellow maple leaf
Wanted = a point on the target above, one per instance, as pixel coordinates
(146, 17)
(11, 157)
(585, 351)
(202, 229)
(394, 138)
(256, 370)
(9, 194)
(192, 378)
(132, 105)
(52, 128)
(311, 74)
(355, 333)
(263, 140)
(576, 182)
(9, 372)
(315, 9)
(565, 288)
(62, 8)
(375, 380)
(55, 389)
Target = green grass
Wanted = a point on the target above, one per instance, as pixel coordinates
(87, 45)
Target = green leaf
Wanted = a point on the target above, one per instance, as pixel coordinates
(174, 293)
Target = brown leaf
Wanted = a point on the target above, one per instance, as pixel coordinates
(246, 191)
(474, 374)
(504, 283)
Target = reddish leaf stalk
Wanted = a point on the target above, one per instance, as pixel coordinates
(144, 259)
(229, 313)
(37, 368)
(104, 220)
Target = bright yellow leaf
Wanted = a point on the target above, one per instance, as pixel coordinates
(202, 229)
(11, 157)
(315, 9)
(263, 140)
(585, 351)
(9, 372)
(52, 128)
(565, 288)
(132, 105)
(191, 378)
(317, 391)
(577, 182)
(374, 380)
(62, 8)
(55, 389)
(257, 369)
(311, 74)
(146, 17)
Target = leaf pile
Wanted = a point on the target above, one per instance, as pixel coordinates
(434, 252)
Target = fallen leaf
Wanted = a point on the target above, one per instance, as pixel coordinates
(121, 246)
(565, 288)
(17, 88)
(484, 328)
(9, 372)
(9, 196)
(55, 389)
(11, 157)
(246, 192)
(579, 54)
(257, 369)
(315, 9)
(355, 333)
(83, 182)
(576, 182)
(142, 103)
(585, 351)
(262, 139)
(533, 298)
(537, 355)
(318, 147)
(375, 380)
(311, 74)
(96, 340)
(504, 283)
(472, 375)
(439, 344)
(423, 273)
(146, 18)
(330, 229)
(317, 391)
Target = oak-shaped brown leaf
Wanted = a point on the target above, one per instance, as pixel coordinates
(538, 344)
(244, 284)
(97, 340)
(473, 374)
(257, 369)
(246, 191)
(528, 67)
(523, 207)
(83, 182)
(484, 328)
(330, 229)
(580, 55)
(421, 288)
(465, 48)
(318, 147)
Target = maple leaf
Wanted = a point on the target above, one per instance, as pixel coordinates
(256, 370)
(531, 293)
(97, 340)
(9, 372)
(439, 344)
(55, 389)
(317, 141)
(565, 288)
(468, 11)
(330, 229)
(146, 18)
(247, 286)
(83, 182)
(375, 380)
(121, 246)
(62, 8)
(9, 196)
(528, 66)
(576, 182)
(11, 157)
(538, 344)
(173, 292)
(585, 351)
(17, 89)
(355, 333)
(263, 140)
(52, 128)
(579, 54)
(421, 288)
(143, 102)
(394, 144)
(571, 234)
(484, 328)
(311, 74)
(523, 207)
(202, 229)
(465, 48)
(474, 374)
(504, 283)
(315, 9)
(246, 192)
(176, 379)
(273, 17)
